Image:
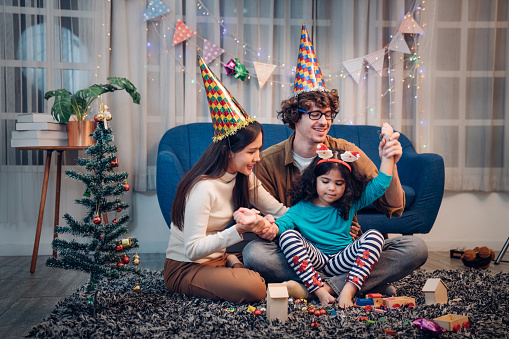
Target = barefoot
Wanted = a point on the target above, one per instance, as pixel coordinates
(296, 290)
(346, 295)
(324, 296)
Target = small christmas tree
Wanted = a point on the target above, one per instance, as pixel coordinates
(105, 253)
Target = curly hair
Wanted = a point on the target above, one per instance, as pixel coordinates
(304, 188)
(289, 113)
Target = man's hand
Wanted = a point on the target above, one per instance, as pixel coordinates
(355, 230)
(391, 147)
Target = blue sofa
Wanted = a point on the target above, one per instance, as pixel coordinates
(421, 175)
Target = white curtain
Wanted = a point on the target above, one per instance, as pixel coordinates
(43, 45)
(448, 95)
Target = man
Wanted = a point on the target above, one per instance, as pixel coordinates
(310, 111)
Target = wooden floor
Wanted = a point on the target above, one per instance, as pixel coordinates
(27, 298)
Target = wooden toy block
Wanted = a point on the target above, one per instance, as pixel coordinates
(398, 301)
(435, 291)
(277, 302)
(450, 321)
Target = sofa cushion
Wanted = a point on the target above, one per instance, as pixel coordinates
(409, 199)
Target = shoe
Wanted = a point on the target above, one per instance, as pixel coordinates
(296, 290)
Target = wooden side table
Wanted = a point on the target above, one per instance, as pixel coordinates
(49, 150)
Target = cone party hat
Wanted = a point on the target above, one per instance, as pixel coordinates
(308, 76)
(227, 114)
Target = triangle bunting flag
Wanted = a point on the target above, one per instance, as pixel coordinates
(410, 26)
(154, 9)
(210, 51)
(398, 44)
(354, 68)
(182, 32)
(263, 72)
(376, 60)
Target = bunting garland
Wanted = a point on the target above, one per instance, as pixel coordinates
(354, 68)
(376, 60)
(263, 72)
(154, 9)
(398, 44)
(210, 51)
(182, 32)
(410, 26)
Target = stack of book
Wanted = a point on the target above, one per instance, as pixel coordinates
(38, 129)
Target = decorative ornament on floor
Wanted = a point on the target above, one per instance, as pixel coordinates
(479, 257)
(97, 243)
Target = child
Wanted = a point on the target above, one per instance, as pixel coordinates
(327, 196)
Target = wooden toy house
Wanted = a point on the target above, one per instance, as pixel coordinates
(452, 322)
(277, 302)
(435, 291)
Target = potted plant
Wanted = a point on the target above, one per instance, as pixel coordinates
(67, 106)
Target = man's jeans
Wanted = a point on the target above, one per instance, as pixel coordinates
(400, 256)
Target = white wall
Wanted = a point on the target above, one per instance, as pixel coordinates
(465, 220)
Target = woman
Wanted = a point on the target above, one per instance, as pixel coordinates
(221, 182)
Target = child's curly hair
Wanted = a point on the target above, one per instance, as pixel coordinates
(304, 188)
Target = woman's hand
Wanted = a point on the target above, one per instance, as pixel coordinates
(245, 215)
(249, 221)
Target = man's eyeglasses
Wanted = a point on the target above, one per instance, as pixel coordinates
(317, 115)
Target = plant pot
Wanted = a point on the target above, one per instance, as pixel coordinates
(78, 133)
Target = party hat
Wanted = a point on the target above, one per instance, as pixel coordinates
(227, 114)
(308, 76)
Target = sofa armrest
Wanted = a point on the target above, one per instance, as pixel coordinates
(425, 173)
(169, 173)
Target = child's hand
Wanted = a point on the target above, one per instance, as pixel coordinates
(271, 229)
(387, 131)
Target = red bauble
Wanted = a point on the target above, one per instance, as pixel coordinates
(115, 221)
(257, 312)
(126, 187)
(125, 260)
(119, 248)
(118, 209)
(114, 163)
(97, 220)
(317, 312)
(119, 264)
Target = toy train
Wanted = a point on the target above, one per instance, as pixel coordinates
(375, 300)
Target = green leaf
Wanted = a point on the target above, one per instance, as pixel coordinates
(128, 86)
(61, 110)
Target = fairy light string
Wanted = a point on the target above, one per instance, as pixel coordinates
(412, 75)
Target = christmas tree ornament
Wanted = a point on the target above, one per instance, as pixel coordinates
(125, 259)
(126, 242)
(114, 163)
(119, 248)
(227, 114)
(126, 187)
(308, 75)
(120, 264)
(105, 113)
(115, 221)
(240, 71)
(97, 220)
(137, 287)
(136, 259)
(230, 67)
(118, 209)
(99, 117)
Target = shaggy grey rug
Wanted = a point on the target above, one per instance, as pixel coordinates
(155, 313)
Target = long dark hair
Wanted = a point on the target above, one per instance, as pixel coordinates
(212, 165)
(355, 183)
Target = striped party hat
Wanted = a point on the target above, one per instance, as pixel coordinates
(308, 76)
(227, 114)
